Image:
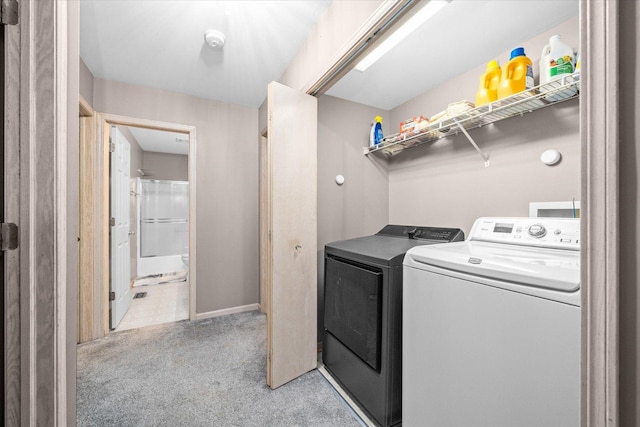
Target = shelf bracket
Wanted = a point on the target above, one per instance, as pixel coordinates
(484, 156)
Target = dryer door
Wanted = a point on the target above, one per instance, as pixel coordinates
(353, 307)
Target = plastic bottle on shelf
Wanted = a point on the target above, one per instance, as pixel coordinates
(517, 75)
(577, 72)
(375, 137)
(489, 82)
(556, 62)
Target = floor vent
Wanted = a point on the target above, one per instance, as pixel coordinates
(139, 295)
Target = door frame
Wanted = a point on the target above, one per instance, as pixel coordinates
(599, 131)
(600, 230)
(42, 112)
(101, 183)
(90, 252)
(43, 393)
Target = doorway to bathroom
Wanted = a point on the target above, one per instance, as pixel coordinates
(141, 238)
(149, 240)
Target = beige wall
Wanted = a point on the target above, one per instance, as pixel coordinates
(136, 153)
(227, 184)
(446, 184)
(361, 205)
(173, 167)
(629, 214)
(86, 82)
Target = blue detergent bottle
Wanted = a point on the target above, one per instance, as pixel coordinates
(376, 132)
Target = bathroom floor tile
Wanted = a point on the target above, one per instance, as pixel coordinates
(164, 303)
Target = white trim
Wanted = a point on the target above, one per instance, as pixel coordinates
(191, 131)
(226, 311)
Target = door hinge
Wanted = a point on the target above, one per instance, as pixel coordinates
(112, 296)
(9, 12)
(112, 147)
(112, 221)
(8, 236)
(269, 235)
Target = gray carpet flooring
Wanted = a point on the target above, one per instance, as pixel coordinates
(206, 373)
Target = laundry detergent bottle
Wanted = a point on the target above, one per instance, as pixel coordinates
(375, 137)
(489, 82)
(556, 61)
(517, 75)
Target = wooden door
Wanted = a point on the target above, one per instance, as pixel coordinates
(265, 224)
(291, 187)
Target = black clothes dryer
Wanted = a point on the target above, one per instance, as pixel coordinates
(362, 347)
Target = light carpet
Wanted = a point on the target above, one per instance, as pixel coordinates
(206, 373)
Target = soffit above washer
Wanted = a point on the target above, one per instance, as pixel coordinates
(461, 36)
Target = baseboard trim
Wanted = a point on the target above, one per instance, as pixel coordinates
(226, 311)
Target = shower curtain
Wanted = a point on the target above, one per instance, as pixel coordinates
(163, 212)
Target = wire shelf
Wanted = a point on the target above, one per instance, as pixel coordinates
(518, 104)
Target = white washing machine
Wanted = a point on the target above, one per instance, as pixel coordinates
(491, 327)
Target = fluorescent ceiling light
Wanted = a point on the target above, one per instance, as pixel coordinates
(401, 33)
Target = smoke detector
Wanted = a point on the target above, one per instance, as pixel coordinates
(214, 39)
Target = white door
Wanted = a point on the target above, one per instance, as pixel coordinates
(119, 283)
(291, 189)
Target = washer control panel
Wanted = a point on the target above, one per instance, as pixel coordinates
(558, 233)
(537, 230)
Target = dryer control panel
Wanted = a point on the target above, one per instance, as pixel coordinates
(555, 233)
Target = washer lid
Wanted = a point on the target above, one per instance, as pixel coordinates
(545, 268)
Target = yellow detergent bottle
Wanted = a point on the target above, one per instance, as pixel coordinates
(489, 82)
(517, 75)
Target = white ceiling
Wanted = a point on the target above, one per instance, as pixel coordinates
(161, 44)
(161, 141)
(480, 30)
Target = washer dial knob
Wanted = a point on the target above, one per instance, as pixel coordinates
(537, 231)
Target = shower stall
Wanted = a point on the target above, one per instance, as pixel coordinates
(163, 232)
